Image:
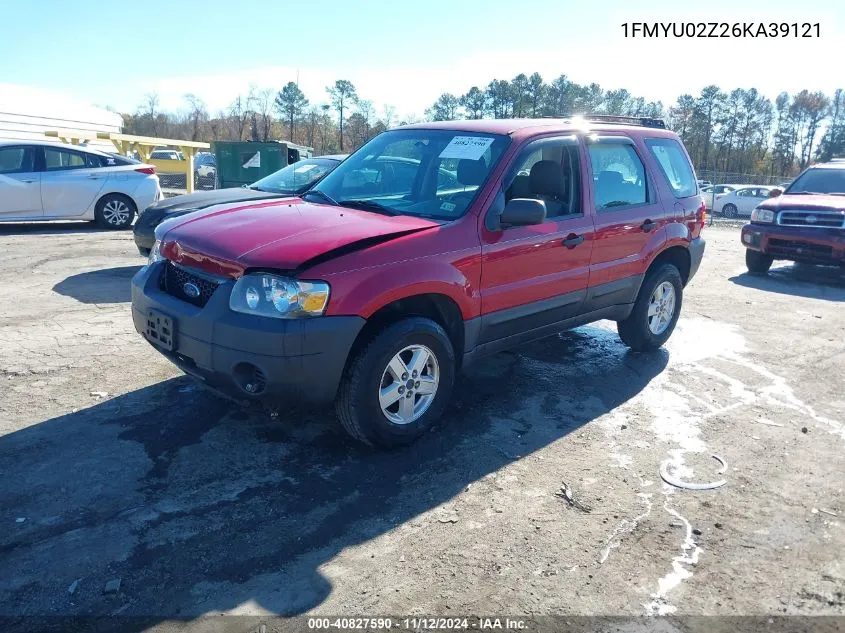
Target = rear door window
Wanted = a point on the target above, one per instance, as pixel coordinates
(59, 159)
(618, 175)
(674, 165)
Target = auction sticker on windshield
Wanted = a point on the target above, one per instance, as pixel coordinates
(303, 168)
(471, 147)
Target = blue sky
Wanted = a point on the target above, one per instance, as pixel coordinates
(399, 53)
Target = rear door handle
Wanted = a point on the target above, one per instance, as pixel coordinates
(573, 240)
(29, 182)
(94, 177)
(648, 226)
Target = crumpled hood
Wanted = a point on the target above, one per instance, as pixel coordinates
(804, 202)
(278, 234)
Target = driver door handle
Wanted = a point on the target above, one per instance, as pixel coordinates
(573, 240)
(648, 226)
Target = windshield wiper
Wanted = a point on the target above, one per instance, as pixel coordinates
(324, 196)
(369, 205)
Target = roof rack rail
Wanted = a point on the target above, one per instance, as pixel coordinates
(626, 120)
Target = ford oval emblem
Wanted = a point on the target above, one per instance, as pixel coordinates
(191, 290)
(811, 219)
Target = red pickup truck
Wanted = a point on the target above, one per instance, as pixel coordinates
(806, 223)
(430, 247)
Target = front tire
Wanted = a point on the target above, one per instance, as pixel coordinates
(730, 211)
(114, 211)
(656, 310)
(757, 262)
(398, 384)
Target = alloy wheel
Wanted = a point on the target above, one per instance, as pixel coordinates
(661, 308)
(409, 384)
(116, 212)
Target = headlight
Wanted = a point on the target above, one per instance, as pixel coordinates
(155, 253)
(762, 215)
(279, 297)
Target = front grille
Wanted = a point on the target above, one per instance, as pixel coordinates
(800, 249)
(175, 278)
(820, 219)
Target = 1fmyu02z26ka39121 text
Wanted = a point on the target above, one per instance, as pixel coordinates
(721, 29)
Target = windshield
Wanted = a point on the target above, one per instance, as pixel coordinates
(819, 181)
(297, 177)
(427, 173)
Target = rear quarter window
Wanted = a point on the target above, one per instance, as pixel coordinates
(674, 165)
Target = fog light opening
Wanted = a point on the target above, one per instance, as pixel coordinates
(249, 378)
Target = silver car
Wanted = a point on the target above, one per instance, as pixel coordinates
(56, 181)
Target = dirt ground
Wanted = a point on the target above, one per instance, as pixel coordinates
(114, 466)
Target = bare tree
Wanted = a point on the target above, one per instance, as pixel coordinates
(151, 111)
(365, 109)
(241, 112)
(197, 114)
(388, 112)
(312, 124)
(324, 142)
(264, 107)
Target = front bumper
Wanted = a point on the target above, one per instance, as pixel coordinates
(144, 230)
(297, 358)
(797, 244)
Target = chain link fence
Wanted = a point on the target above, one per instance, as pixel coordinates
(729, 178)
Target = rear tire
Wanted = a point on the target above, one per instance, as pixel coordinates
(374, 376)
(757, 262)
(654, 316)
(730, 211)
(115, 211)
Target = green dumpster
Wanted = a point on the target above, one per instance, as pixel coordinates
(242, 163)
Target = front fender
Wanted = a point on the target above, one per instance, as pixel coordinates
(363, 292)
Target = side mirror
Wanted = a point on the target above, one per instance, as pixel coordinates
(522, 212)
(774, 193)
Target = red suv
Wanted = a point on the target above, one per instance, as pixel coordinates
(430, 247)
(804, 224)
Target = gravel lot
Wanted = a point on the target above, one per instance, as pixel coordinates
(114, 466)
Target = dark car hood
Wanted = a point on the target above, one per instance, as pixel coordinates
(804, 202)
(284, 234)
(202, 199)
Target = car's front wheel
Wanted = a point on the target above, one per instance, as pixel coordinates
(114, 211)
(398, 384)
(656, 310)
(757, 262)
(730, 211)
